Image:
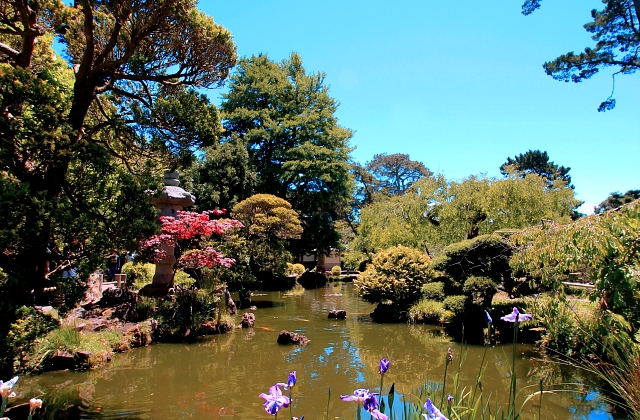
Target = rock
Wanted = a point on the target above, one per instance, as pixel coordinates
(60, 360)
(338, 314)
(253, 308)
(389, 313)
(287, 337)
(248, 319)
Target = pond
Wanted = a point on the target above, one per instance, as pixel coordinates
(222, 376)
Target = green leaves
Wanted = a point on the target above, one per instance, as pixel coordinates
(296, 147)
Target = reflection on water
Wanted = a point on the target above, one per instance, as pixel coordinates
(221, 376)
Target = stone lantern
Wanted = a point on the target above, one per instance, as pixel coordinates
(172, 200)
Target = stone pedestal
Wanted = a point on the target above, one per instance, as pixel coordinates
(172, 200)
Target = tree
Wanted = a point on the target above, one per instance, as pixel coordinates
(616, 200)
(300, 153)
(224, 177)
(537, 162)
(125, 109)
(616, 32)
(435, 213)
(396, 173)
(605, 247)
(269, 222)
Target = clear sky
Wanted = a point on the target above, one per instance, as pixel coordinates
(457, 85)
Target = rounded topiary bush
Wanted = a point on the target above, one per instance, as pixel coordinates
(295, 269)
(336, 270)
(456, 304)
(480, 290)
(396, 274)
(434, 291)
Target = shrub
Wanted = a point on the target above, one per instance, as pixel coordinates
(395, 274)
(456, 304)
(336, 270)
(138, 275)
(295, 269)
(480, 290)
(429, 311)
(485, 255)
(433, 291)
(29, 325)
(183, 279)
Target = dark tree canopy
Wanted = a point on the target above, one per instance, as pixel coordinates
(616, 200)
(395, 173)
(82, 140)
(616, 32)
(299, 152)
(536, 162)
(224, 177)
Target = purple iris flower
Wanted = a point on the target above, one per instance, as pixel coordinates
(516, 316)
(487, 317)
(358, 395)
(274, 400)
(371, 402)
(6, 387)
(384, 366)
(291, 381)
(432, 411)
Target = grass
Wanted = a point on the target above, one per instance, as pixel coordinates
(429, 311)
(68, 339)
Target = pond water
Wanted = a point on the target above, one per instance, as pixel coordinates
(220, 377)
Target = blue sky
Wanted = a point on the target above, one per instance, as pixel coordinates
(458, 85)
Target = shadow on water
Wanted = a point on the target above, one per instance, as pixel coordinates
(222, 376)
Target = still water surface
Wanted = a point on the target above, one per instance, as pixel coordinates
(220, 377)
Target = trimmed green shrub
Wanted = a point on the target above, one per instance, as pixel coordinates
(485, 255)
(138, 275)
(336, 270)
(434, 291)
(295, 269)
(430, 312)
(396, 274)
(480, 290)
(183, 279)
(456, 304)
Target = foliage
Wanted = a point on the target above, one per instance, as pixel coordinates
(606, 245)
(616, 200)
(184, 232)
(396, 173)
(536, 162)
(295, 269)
(69, 339)
(269, 222)
(435, 213)
(299, 152)
(83, 140)
(336, 270)
(615, 32)
(429, 311)
(563, 333)
(224, 176)
(456, 304)
(395, 274)
(480, 290)
(138, 274)
(433, 291)
(28, 326)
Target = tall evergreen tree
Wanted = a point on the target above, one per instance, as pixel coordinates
(299, 152)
